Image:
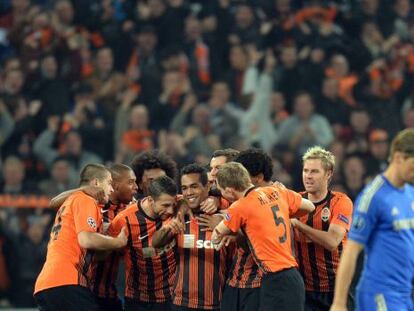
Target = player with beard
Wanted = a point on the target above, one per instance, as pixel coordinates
(148, 272)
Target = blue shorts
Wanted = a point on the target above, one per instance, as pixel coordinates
(383, 302)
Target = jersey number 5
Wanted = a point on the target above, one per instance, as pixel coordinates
(278, 221)
(58, 224)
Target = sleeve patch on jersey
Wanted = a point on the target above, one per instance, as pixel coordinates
(343, 219)
(227, 217)
(91, 222)
(358, 224)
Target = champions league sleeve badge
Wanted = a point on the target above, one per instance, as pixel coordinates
(91, 222)
(325, 214)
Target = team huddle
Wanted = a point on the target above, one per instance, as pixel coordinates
(228, 237)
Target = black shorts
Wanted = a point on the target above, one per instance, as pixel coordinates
(240, 299)
(66, 298)
(136, 305)
(109, 304)
(282, 291)
(316, 301)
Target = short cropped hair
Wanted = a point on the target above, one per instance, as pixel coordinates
(229, 153)
(196, 169)
(162, 185)
(256, 161)
(118, 169)
(92, 171)
(327, 158)
(403, 142)
(233, 175)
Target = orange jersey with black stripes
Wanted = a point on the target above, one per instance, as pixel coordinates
(244, 272)
(201, 269)
(103, 283)
(148, 273)
(263, 215)
(318, 265)
(66, 262)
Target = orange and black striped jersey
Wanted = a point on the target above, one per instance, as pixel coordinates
(103, 284)
(66, 262)
(148, 273)
(201, 269)
(244, 272)
(318, 265)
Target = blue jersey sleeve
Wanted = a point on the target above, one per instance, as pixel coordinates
(365, 218)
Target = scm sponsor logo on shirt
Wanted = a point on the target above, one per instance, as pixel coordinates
(206, 244)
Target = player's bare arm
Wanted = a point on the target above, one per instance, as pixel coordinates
(209, 222)
(305, 208)
(100, 242)
(345, 274)
(222, 235)
(96, 192)
(328, 239)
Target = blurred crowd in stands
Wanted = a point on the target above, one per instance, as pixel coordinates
(101, 80)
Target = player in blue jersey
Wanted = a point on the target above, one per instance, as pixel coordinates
(383, 225)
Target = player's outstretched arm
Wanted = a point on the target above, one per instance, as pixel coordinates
(100, 242)
(96, 192)
(305, 208)
(345, 274)
(57, 201)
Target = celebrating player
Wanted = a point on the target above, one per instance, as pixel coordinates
(201, 269)
(263, 215)
(321, 235)
(63, 283)
(148, 273)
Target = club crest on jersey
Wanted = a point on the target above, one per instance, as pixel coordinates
(227, 216)
(91, 222)
(358, 224)
(325, 214)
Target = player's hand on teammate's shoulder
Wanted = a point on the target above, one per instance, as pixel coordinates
(209, 222)
(210, 205)
(95, 192)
